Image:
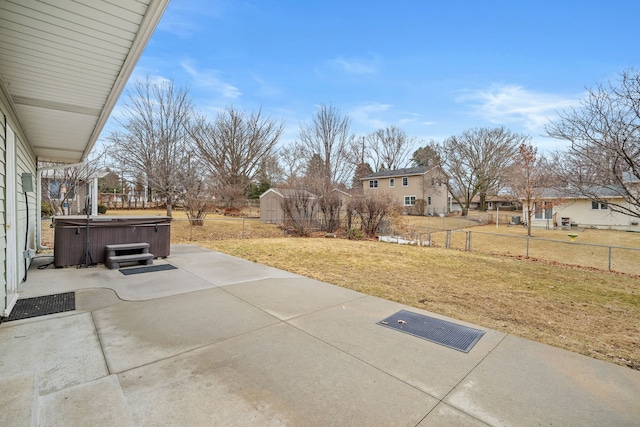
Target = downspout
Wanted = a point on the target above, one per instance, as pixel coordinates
(39, 199)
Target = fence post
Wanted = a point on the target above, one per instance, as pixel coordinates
(447, 244)
(468, 241)
(429, 237)
(527, 252)
(609, 258)
(242, 228)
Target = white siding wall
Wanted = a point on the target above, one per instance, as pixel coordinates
(3, 235)
(25, 162)
(580, 212)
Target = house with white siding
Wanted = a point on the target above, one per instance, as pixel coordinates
(564, 208)
(63, 66)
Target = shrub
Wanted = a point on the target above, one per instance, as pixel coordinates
(45, 209)
(102, 209)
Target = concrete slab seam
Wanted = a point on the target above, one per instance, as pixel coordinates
(36, 396)
(104, 357)
(363, 361)
(473, 368)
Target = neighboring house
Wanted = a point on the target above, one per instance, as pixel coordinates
(271, 211)
(411, 184)
(63, 66)
(68, 197)
(562, 208)
(492, 203)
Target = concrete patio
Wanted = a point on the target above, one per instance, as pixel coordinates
(224, 341)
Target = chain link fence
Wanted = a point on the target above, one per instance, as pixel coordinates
(452, 236)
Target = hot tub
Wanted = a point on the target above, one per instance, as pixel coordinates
(71, 230)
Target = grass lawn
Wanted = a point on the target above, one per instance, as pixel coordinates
(580, 309)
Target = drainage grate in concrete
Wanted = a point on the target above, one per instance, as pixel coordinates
(458, 337)
(42, 306)
(147, 269)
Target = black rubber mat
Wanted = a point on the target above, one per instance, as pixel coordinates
(147, 269)
(42, 306)
(439, 331)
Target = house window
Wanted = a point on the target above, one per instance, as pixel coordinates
(409, 200)
(598, 205)
(392, 182)
(433, 181)
(543, 213)
(429, 200)
(373, 183)
(405, 181)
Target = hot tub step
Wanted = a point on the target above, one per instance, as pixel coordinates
(113, 262)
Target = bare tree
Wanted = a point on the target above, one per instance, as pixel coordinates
(328, 137)
(292, 163)
(299, 208)
(153, 140)
(372, 212)
(329, 207)
(529, 179)
(64, 184)
(234, 146)
(389, 148)
(196, 194)
(603, 162)
(477, 162)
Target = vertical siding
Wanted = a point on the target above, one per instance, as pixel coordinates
(25, 163)
(3, 236)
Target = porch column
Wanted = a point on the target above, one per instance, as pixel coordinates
(94, 196)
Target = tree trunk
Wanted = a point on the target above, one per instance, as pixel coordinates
(481, 205)
(169, 207)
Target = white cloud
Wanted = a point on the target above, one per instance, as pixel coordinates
(209, 80)
(369, 115)
(356, 66)
(515, 104)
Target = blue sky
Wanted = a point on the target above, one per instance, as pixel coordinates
(432, 68)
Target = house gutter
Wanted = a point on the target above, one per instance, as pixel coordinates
(39, 199)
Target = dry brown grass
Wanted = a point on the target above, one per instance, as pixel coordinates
(592, 312)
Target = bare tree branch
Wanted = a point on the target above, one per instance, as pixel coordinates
(390, 148)
(328, 137)
(153, 140)
(234, 146)
(477, 162)
(603, 163)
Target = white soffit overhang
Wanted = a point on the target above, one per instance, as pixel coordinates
(64, 63)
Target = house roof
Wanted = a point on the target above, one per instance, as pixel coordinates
(65, 63)
(604, 192)
(629, 177)
(420, 170)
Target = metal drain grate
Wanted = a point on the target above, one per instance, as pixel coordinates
(147, 269)
(458, 337)
(42, 306)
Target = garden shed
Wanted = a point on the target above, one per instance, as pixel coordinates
(271, 211)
